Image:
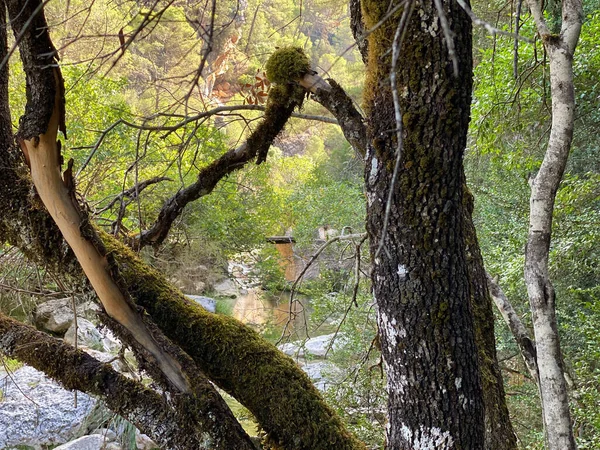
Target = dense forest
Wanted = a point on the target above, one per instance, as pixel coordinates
(391, 210)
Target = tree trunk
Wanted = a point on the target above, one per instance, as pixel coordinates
(499, 433)
(553, 388)
(420, 273)
(270, 384)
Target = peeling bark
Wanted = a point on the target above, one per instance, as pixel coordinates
(553, 388)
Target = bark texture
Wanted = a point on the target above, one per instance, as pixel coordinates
(213, 420)
(553, 389)
(420, 274)
(270, 384)
(499, 433)
(172, 423)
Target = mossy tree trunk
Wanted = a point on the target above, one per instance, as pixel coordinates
(279, 394)
(420, 268)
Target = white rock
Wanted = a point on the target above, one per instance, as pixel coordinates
(36, 411)
(91, 442)
(109, 341)
(209, 304)
(108, 434)
(316, 346)
(143, 442)
(321, 373)
(87, 335)
(57, 315)
(226, 288)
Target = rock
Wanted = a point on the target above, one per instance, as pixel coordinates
(226, 288)
(91, 442)
(209, 304)
(109, 341)
(143, 442)
(35, 411)
(104, 357)
(56, 316)
(321, 373)
(199, 286)
(316, 346)
(108, 434)
(87, 335)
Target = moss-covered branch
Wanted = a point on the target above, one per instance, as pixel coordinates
(279, 394)
(280, 105)
(174, 424)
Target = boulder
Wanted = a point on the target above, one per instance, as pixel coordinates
(143, 442)
(321, 373)
(209, 304)
(91, 442)
(226, 288)
(56, 316)
(316, 346)
(35, 411)
(87, 335)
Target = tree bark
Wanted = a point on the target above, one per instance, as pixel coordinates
(499, 433)
(553, 388)
(420, 274)
(172, 423)
(274, 388)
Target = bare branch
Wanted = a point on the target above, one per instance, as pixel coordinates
(520, 333)
(256, 146)
(349, 119)
(133, 192)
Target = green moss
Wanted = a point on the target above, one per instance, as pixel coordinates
(277, 392)
(287, 64)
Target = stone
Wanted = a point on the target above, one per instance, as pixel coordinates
(316, 347)
(91, 442)
(116, 363)
(143, 442)
(321, 373)
(199, 286)
(110, 343)
(87, 335)
(108, 434)
(226, 288)
(36, 411)
(209, 304)
(56, 316)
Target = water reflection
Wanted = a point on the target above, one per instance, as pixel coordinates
(269, 312)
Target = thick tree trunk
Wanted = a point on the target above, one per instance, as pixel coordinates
(499, 433)
(420, 274)
(553, 388)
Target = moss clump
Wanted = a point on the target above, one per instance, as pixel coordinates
(287, 64)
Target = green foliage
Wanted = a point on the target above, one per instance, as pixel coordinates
(509, 134)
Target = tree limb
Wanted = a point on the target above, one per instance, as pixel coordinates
(519, 332)
(176, 424)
